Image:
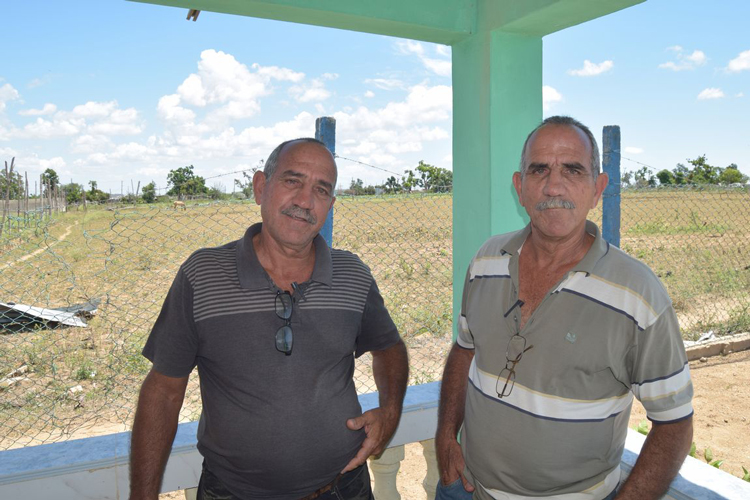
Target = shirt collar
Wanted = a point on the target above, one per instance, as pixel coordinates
(598, 249)
(253, 276)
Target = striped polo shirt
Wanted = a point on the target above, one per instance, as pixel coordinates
(272, 426)
(605, 333)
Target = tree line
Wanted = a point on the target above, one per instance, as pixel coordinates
(427, 177)
(183, 182)
(700, 172)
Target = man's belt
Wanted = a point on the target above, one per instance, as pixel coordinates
(323, 489)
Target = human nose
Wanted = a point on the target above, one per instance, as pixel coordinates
(305, 198)
(554, 184)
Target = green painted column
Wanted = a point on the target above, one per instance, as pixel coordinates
(497, 100)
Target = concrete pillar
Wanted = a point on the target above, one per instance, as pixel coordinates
(385, 471)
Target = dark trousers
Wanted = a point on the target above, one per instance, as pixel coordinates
(354, 485)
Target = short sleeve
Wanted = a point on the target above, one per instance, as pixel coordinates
(377, 331)
(172, 345)
(660, 371)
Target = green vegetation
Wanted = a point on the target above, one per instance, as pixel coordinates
(701, 173)
(183, 181)
(128, 256)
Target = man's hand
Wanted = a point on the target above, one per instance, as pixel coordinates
(451, 461)
(390, 368)
(379, 427)
(451, 415)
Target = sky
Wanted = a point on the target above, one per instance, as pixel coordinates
(121, 92)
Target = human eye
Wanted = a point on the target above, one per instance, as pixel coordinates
(574, 169)
(537, 169)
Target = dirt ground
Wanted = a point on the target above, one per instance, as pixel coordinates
(721, 422)
(722, 409)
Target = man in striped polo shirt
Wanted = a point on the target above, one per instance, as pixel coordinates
(558, 331)
(273, 321)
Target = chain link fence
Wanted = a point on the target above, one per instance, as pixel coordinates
(697, 240)
(114, 267)
(58, 382)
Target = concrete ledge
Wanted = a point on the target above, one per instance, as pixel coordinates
(723, 346)
(696, 481)
(97, 468)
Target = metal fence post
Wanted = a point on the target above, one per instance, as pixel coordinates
(325, 131)
(611, 201)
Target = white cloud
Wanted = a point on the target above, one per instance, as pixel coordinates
(39, 165)
(443, 50)
(7, 93)
(94, 109)
(711, 93)
(369, 94)
(592, 69)
(633, 150)
(48, 109)
(549, 97)
(223, 90)
(697, 57)
(382, 136)
(95, 118)
(281, 74)
(739, 94)
(739, 63)
(87, 144)
(169, 110)
(8, 152)
(314, 91)
(684, 61)
(47, 129)
(386, 84)
(441, 67)
(118, 122)
(410, 47)
(437, 66)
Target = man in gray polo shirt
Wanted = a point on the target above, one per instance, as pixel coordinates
(273, 322)
(558, 332)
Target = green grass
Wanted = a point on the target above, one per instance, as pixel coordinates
(695, 241)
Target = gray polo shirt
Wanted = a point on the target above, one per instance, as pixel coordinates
(273, 426)
(605, 333)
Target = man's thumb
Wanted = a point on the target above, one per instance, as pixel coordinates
(355, 423)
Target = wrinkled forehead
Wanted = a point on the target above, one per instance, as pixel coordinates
(562, 142)
(301, 156)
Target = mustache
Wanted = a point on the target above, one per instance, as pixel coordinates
(555, 203)
(300, 213)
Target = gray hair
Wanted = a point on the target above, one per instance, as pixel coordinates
(273, 159)
(570, 122)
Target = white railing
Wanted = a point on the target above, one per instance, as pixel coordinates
(97, 468)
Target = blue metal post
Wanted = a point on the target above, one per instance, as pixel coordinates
(325, 131)
(611, 201)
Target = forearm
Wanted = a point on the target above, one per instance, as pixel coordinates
(390, 368)
(659, 461)
(453, 392)
(154, 429)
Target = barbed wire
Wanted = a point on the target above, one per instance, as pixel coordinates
(638, 162)
(367, 165)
